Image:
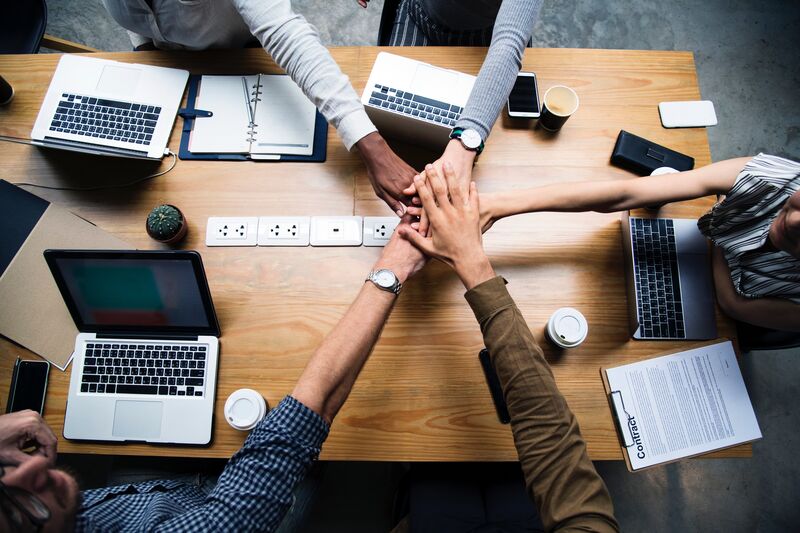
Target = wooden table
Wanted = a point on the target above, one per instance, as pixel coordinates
(422, 395)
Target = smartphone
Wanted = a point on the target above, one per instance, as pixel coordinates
(523, 102)
(494, 387)
(692, 114)
(28, 386)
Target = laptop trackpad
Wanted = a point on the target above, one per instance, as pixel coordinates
(120, 81)
(436, 83)
(137, 420)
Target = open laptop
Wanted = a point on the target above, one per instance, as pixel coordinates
(414, 101)
(145, 360)
(109, 108)
(668, 269)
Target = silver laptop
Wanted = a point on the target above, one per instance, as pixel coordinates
(109, 108)
(668, 269)
(414, 101)
(145, 360)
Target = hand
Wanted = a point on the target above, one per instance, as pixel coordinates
(22, 429)
(454, 226)
(388, 173)
(400, 256)
(461, 160)
(489, 212)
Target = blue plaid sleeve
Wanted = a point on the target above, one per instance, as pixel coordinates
(255, 489)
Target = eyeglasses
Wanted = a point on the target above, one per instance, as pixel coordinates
(18, 503)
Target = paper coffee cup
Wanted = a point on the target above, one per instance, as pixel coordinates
(559, 103)
(244, 409)
(567, 328)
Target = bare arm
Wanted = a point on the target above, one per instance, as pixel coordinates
(330, 373)
(773, 313)
(616, 195)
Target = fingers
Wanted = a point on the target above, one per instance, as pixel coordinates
(396, 205)
(414, 211)
(457, 190)
(424, 224)
(474, 200)
(47, 441)
(411, 190)
(428, 203)
(421, 243)
(438, 185)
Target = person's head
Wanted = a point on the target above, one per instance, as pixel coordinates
(33, 490)
(784, 233)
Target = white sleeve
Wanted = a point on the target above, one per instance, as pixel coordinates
(295, 46)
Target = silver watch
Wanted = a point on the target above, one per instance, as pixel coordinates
(385, 280)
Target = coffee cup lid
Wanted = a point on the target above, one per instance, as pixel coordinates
(245, 408)
(663, 170)
(568, 326)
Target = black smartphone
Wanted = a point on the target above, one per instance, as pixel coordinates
(28, 386)
(494, 387)
(523, 102)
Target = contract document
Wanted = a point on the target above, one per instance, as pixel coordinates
(680, 405)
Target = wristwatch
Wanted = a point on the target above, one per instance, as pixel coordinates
(385, 280)
(470, 138)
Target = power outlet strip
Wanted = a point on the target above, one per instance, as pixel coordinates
(336, 231)
(232, 231)
(284, 231)
(378, 230)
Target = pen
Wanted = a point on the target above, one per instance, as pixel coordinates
(247, 100)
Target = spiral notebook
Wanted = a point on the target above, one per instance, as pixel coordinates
(255, 117)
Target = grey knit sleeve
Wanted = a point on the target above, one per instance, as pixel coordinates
(512, 30)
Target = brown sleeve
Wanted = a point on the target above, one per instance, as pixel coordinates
(560, 478)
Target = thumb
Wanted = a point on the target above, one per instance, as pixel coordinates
(13, 457)
(420, 242)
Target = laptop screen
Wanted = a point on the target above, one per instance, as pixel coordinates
(147, 292)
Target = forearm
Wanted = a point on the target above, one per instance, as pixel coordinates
(334, 366)
(512, 30)
(772, 313)
(295, 46)
(619, 195)
(559, 475)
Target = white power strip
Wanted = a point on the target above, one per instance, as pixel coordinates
(300, 231)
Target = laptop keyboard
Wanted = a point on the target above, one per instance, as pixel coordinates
(655, 268)
(105, 119)
(152, 369)
(415, 106)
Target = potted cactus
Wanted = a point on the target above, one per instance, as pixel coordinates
(166, 224)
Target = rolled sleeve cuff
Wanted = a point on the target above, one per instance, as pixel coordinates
(299, 421)
(488, 297)
(354, 127)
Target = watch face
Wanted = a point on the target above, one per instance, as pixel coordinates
(471, 139)
(384, 278)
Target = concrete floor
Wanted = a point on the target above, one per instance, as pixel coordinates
(747, 62)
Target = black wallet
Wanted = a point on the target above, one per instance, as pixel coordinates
(642, 156)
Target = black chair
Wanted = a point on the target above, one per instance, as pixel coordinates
(387, 20)
(757, 338)
(22, 27)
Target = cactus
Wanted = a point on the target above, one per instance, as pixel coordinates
(166, 223)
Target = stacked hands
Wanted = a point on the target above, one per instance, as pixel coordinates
(444, 221)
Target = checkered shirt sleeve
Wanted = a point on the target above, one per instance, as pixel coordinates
(252, 494)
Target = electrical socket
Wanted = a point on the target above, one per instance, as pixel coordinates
(232, 231)
(284, 231)
(378, 230)
(336, 231)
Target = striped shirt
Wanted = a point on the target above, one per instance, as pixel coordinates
(740, 226)
(252, 494)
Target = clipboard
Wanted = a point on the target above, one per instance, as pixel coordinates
(626, 430)
(190, 113)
